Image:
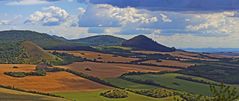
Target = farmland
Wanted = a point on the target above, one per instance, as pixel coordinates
(99, 56)
(95, 96)
(111, 70)
(112, 73)
(170, 81)
(12, 95)
(59, 81)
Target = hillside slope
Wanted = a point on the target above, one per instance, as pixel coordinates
(12, 95)
(43, 40)
(100, 40)
(142, 42)
(24, 52)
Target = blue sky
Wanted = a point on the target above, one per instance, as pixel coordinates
(178, 23)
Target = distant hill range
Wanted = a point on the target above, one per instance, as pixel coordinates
(43, 40)
(142, 42)
(24, 52)
(101, 40)
(49, 42)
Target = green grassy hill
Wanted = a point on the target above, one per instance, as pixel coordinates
(12, 95)
(37, 54)
(43, 40)
(24, 52)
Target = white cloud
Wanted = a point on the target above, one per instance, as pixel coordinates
(222, 22)
(49, 16)
(126, 15)
(27, 2)
(107, 15)
(4, 22)
(165, 18)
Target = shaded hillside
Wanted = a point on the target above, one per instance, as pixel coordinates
(24, 52)
(101, 40)
(142, 42)
(43, 40)
(36, 53)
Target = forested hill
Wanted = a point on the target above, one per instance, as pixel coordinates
(100, 40)
(24, 52)
(43, 40)
(142, 42)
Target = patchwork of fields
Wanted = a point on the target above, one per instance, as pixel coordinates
(112, 70)
(77, 88)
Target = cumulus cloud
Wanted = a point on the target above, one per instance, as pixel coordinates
(223, 22)
(4, 22)
(107, 15)
(49, 16)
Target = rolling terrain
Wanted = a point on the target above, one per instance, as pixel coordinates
(24, 52)
(12, 95)
(43, 40)
(81, 70)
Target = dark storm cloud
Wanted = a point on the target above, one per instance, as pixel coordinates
(173, 5)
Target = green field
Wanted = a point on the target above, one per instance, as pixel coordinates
(128, 84)
(95, 96)
(169, 80)
(12, 95)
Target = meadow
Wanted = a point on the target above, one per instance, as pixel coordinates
(95, 96)
(169, 80)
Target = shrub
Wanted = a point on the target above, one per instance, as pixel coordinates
(115, 93)
(14, 67)
(156, 93)
(88, 69)
(16, 74)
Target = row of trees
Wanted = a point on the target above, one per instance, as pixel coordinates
(29, 91)
(114, 93)
(156, 93)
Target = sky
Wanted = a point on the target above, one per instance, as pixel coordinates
(175, 23)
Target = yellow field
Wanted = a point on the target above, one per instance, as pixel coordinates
(52, 82)
(169, 63)
(99, 56)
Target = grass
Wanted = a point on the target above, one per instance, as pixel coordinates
(95, 96)
(169, 80)
(12, 95)
(127, 84)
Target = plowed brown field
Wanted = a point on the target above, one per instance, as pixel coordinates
(112, 70)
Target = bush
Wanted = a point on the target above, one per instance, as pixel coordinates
(14, 67)
(16, 74)
(88, 69)
(156, 93)
(115, 93)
